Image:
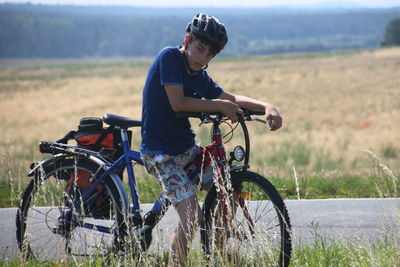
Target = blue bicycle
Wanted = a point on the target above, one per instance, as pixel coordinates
(76, 203)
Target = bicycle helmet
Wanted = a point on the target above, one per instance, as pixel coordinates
(209, 28)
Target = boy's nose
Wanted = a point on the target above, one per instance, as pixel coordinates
(205, 58)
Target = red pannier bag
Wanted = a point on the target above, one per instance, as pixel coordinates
(91, 135)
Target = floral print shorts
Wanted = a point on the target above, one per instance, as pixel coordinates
(170, 172)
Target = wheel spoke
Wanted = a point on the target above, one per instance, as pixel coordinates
(258, 224)
(44, 233)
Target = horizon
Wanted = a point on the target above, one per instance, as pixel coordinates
(219, 4)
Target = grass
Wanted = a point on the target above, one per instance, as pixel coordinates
(318, 186)
(335, 106)
(6, 198)
(322, 252)
(316, 254)
(337, 254)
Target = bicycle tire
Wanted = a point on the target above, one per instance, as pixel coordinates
(265, 241)
(40, 233)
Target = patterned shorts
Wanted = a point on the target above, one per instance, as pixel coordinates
(169, 170)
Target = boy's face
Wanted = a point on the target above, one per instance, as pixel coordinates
(198, 55)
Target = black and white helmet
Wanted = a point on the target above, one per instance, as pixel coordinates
(209, 28)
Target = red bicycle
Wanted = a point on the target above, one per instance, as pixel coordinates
(243, 212)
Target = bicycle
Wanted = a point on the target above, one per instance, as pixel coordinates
(99, 219)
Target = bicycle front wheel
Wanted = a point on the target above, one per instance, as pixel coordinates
(254, 226)
(50, 225)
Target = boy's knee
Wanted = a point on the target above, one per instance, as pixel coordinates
(189, 211)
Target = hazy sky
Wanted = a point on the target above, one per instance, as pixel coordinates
(221, 3)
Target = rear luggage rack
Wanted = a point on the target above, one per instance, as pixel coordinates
(53, 148)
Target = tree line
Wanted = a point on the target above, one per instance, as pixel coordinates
(54, 31)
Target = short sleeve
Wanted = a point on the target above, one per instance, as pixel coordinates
(171, 65)
(213, 90)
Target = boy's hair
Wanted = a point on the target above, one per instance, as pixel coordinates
(214, 49)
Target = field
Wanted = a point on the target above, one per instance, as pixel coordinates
(340, 136)
(341, 115)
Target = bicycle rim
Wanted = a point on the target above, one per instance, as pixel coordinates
(260, 231)
(41, 230)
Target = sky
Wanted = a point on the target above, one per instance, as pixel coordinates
(222, 3)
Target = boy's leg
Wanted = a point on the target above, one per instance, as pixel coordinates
(190, 216)
(180, 191)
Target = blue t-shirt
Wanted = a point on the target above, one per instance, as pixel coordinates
(162, 131)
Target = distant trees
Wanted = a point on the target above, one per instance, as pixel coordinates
(392, 33)
(55, 31)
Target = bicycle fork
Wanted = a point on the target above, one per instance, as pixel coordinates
(226, 190)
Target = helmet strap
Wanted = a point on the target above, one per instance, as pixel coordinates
(189, 70)
(185, 45)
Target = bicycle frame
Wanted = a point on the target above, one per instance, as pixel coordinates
(221, 160)
(216, 149)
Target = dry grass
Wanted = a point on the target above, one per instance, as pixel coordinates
(334, 106)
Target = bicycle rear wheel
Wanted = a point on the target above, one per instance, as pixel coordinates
(43, 231)
(260, 230)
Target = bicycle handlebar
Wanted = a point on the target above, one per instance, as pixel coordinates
(204, 115)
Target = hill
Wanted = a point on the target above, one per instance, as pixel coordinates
(56, 31)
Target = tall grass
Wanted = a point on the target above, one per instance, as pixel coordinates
(319, 253)
(323, 252)
(334, 107)
(387, 183)
(329, 118)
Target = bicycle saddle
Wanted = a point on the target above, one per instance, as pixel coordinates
(120, 121)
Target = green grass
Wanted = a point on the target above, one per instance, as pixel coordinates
(300, 154)
(5, 195)
(319, 187)
(56, 71)
(337, 254)
(319, 253)
(9, 194)
(287, 56)
(311, 187)
(325, 182)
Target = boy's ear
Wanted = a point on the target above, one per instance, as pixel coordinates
(186, 39)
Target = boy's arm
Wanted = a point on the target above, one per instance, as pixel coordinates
(182, 103)
(273, 117)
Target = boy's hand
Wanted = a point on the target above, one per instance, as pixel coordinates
(231, 110)
(274, 119)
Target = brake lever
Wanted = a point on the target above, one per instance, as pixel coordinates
(260, 120)
(256, 119)
(205, 122)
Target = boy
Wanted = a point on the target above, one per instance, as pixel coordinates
(177, 82)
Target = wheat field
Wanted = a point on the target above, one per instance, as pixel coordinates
(335, 106)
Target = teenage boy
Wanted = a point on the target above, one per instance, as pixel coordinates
(177, 82)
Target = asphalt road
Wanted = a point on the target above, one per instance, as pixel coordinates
(355, 220)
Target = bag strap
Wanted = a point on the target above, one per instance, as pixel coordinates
(69, 136)
(103, 135)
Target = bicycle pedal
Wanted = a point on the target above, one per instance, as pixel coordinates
(60, 230)
(146, 228)
(135, 221)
